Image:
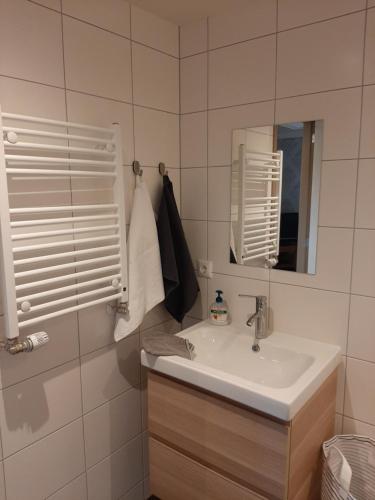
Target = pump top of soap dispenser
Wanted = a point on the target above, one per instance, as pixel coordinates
(219, 297)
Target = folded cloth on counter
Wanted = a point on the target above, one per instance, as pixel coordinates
(166, 344)
(145, 279)
(180, 283)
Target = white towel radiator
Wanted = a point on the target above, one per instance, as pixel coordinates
(61, 257)
(259, 210)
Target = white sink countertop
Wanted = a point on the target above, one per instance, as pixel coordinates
(277, 380)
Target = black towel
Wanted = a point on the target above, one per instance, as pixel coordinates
(180, 283)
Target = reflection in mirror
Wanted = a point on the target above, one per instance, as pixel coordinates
(275, 196)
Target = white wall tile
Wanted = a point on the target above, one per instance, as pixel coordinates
(75, 490)
(333, 262)
(193, 74)
(156, 137)
(361, 339)
(115, 475)
(369, 71)
(359, 393)
(101, 112)
(338, 423)
(155, 317)
(155, 79)
(194, 193)
(351, 426)
(340, 111)
(254, 61)
(92, 58)
(46, 465)
(38, 406)
(96, 328)
(240, 308)
(340, 394)
(112, 425)
(135, 493)
(292, 13)
(110, 371)
(52, 4)
(18, 96)
(219, 251)
(219, 187)
(62, 347)
(193, 37)
(368, 123)
(194, 140)
(154, 31)
(322, 56)
(255, 19)
(200, 308)
(306, 312)
(36, 42)
(365, 212)
(113, 15)
(337, 193)
(363, 280)
(196, 237)
(221, 123)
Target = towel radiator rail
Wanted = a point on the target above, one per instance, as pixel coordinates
(259, 216)
(64, 258)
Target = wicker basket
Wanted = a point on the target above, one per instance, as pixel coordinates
(359, 452)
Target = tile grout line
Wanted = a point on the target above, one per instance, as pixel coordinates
(76, 315)
(206, 300)
(114, 33)
(355, 204)
(76, 419)
(282, 98)
(138, 332)
(271, 33)
(66, 484)
(81, 92)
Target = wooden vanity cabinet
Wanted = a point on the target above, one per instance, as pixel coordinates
(204, 447)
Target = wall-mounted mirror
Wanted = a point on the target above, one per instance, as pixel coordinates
(275, 195)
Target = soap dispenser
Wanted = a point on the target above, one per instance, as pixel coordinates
(218, 313)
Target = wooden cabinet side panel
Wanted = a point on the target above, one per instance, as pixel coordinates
(313, 424)
(174, 476)
(241, 445)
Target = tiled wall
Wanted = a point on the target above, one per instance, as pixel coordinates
(280, 62)
(71, 413)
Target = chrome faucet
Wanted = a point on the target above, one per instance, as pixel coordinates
(260, 316)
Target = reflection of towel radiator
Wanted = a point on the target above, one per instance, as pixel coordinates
(260, 182)
(66, 257)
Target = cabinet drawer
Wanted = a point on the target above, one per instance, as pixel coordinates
(174, 476)
(237, 443)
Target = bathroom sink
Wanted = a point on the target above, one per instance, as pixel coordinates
(277, 380)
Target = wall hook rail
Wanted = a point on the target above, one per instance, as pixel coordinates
(162, 169)
(137, 168)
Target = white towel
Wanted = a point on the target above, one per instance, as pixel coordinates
(145, 279)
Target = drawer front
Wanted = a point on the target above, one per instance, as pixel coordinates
(239, 444)
(173, 476)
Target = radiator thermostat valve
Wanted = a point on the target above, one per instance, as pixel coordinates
(30, 343)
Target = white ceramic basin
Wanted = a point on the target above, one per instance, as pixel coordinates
(277, 380)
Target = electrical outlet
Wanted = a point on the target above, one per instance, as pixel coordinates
(205, 268)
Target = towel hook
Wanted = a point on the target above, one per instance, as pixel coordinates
(137, 168)
(162, 170)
